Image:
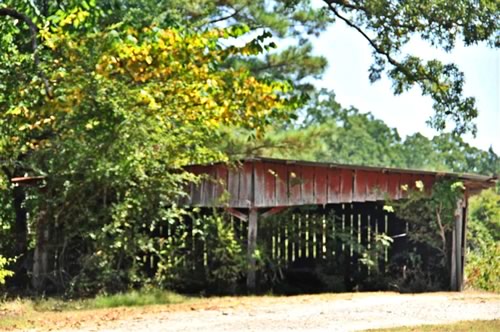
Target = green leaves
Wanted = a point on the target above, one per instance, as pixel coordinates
(389, 25)
(132, 105)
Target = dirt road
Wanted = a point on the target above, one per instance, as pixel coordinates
(328, 312)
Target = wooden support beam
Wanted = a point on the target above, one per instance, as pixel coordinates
(273, 211)
(41, 254)
(27, 180)
(464, 235)
(237, 214)
(459, 224)
(456, 275)
(251, 246)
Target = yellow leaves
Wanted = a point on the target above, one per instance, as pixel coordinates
(91, 124)
(75, 18)
(50, 40)
(177, 75)
(419, 185)
(169, 36)
(212, 123)
(18, 110)
(388, 208)
(146, 98)
(37, 124)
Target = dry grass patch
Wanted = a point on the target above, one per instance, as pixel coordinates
(467, 326)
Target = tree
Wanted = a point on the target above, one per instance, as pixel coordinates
(328, 132)
(388, 26)
(128, 108)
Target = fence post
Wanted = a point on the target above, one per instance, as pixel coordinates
(251, 246)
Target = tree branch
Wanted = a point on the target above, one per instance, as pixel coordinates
(442, 231)
(380, 50)
(34, 44)
(223, 18)
(268, 66)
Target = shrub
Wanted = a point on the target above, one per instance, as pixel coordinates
(482, 265)
(483, 268)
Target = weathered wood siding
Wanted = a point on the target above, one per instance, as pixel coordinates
(269, 184)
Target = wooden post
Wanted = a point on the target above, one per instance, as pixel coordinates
(251, 246)
(40, 256)
(453, 262)
(456, 274)
(464, 237)
(459, 224)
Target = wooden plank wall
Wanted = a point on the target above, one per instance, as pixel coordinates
(271, 184)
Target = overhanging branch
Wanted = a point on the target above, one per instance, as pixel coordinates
(412, 76)
(223, 18)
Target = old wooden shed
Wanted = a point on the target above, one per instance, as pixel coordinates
(256, 188)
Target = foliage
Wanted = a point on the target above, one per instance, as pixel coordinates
(4, 273)
(328, 132)
(483, 268)
(226, 259)
(483, 241)
(430, 222)
(201, 256)
(484, 219)
(388, 25)
(129, 107)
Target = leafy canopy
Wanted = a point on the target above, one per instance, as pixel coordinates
(389, 25)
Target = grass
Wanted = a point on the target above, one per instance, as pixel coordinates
(134, 298)
(26, 313)
(466, 326)
(137, 298)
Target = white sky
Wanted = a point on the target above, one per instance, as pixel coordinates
(349, 57)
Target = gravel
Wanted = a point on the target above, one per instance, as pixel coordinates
(354, 312)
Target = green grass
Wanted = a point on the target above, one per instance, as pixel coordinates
(137, 298)
(467, 326)
(132, 298)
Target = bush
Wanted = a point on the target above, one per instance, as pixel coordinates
(426, 264)
(483, 268)
(482, 265)
(201, 254)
